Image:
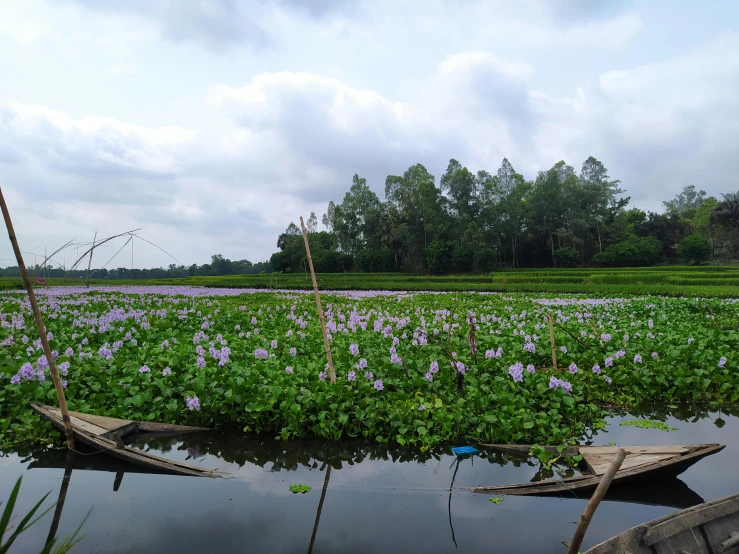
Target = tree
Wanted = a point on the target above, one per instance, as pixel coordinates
(567, 257)
(695, 249)
(634, 251)
(686, 202)
(312, 224)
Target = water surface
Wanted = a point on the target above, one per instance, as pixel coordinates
(378, 498)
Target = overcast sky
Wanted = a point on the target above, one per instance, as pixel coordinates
(211, 124)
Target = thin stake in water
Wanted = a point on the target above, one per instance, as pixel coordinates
(318, 303)
(39, 324)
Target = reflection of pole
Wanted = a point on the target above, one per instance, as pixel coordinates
(320, 507)
(117, 482)
(451, 487)
(62, 498)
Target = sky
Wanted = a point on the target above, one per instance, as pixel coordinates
(212, 124)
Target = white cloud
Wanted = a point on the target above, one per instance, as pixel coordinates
(240, 117)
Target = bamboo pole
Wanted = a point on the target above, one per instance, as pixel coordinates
(551, 340)
(39, 324)
(318, 303)
(87, 279)
(594, 501)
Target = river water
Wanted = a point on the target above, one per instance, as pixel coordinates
(377, 498)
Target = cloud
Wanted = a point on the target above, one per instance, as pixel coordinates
(659, 126)
(218, 25)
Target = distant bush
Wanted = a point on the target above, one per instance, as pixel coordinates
(375, 261)
(695, 249)
(437, 257)
(463, 259)
(632, 252)
(567, 257)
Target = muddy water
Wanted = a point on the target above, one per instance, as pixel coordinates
(377, 498)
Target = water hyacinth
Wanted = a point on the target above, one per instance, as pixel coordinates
(192, 403)
(378, 385)
(100, 326)
(516, 372)
(144, 369)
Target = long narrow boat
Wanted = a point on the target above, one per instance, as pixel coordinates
(712, 527)
(642, 462)
(106, 435)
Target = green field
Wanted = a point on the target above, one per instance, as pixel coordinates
(701, 281)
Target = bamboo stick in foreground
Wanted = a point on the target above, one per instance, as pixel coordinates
(318, 303)
(551, 340)
(594, 501)
(39, 324)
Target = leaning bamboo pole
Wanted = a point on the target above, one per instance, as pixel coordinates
(39, 324)
(598, 495)
(318, 303)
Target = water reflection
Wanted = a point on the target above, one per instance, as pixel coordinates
(367, 497)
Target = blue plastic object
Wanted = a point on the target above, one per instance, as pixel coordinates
(461, 450)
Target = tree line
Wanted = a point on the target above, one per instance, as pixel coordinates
(218, 266)
(475, 222)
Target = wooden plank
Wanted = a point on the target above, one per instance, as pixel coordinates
(599, 464)
(155, 427)
(609, 450)
(693, 517)
(86, 426)
(107, 423)
(691, 540)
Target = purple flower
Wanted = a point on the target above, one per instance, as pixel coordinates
(559, 383)
(165, 343)
(322, 376)
(516, 372)
(378, 385)
(608, 379)
(573, 368)
(609, 361)
(260, 353)
(273, 344)
(201, 362)
(434, 367)
(722, 362)
(637, 359)
(362, 364)
(422, 407)
(351, 376)
(654, 354)
(15, 379)
(193, 403)
(691, 339)
(293, 352)
(64, 368)
(530, 347)
(651, 324)
(563, 349)
(289, 369)
(530, 368)
(69, 352)
(459, 366)
(429, 376)
(354, 349)
(166, 371)
(596, 369)
(368, 375)
(620, 354)
(605, 337)
(144, 369)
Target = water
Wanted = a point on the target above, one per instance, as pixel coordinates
(378, 498)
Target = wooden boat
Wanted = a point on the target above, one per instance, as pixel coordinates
(642, 462)
(712, 527)
(106, 435)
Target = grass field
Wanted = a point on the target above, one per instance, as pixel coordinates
(704, 281)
